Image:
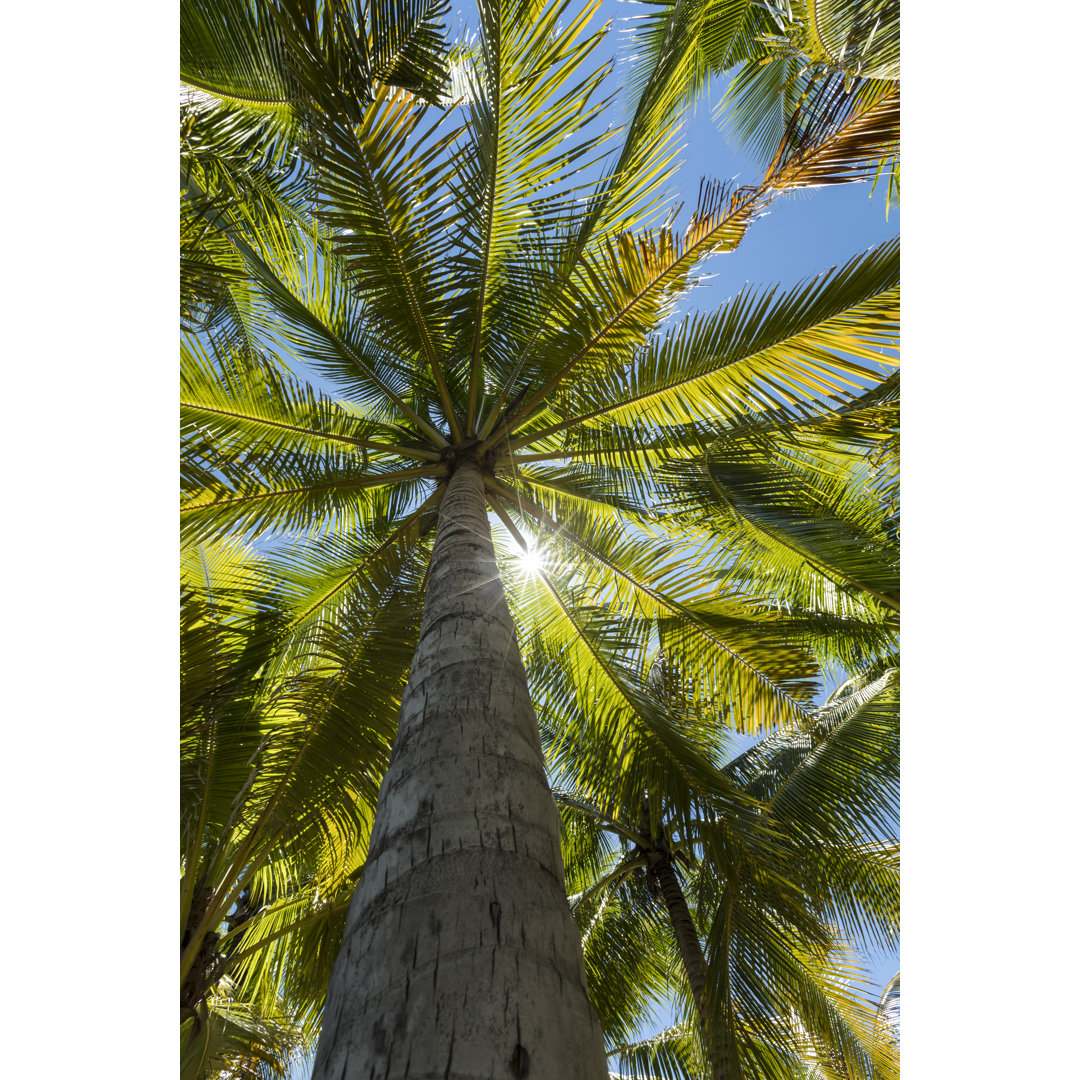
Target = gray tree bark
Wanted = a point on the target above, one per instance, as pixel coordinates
(692, 957)
(461, 960)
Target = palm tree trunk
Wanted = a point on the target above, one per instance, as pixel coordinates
(692, 957)
(461, 960)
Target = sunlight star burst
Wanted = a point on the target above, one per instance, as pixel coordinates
(531, 562)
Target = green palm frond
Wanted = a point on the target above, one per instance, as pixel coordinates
(761, 100)
(408, 45)
(380, 191)
(234, 170)
(235, 52)
(339, 54)
(281, 762)
(747, 674)
(237, 1039)
(575, 652)
(679, 47)
(757, 352)
(315, 582)
(246, 401)
(758, 970)
(787, 57)
(627, 959)
(840, 778)
(861, 38)
(802, 516)
(533, 90)
(660, 263)
(673, 1054)
(260, 447)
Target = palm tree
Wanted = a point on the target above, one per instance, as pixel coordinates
(480, 284)
(767, 890)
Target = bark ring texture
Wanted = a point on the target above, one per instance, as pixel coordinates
(461, 960)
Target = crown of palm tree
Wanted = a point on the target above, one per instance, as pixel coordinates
(471, 294)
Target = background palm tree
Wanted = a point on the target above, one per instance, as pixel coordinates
(470, 280)
(779, 895)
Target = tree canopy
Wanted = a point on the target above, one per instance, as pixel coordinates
(399, 255)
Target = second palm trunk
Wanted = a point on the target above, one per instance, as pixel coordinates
(460, 959)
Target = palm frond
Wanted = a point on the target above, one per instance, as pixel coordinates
(824, 339)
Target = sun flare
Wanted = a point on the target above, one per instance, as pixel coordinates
(531, 562)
